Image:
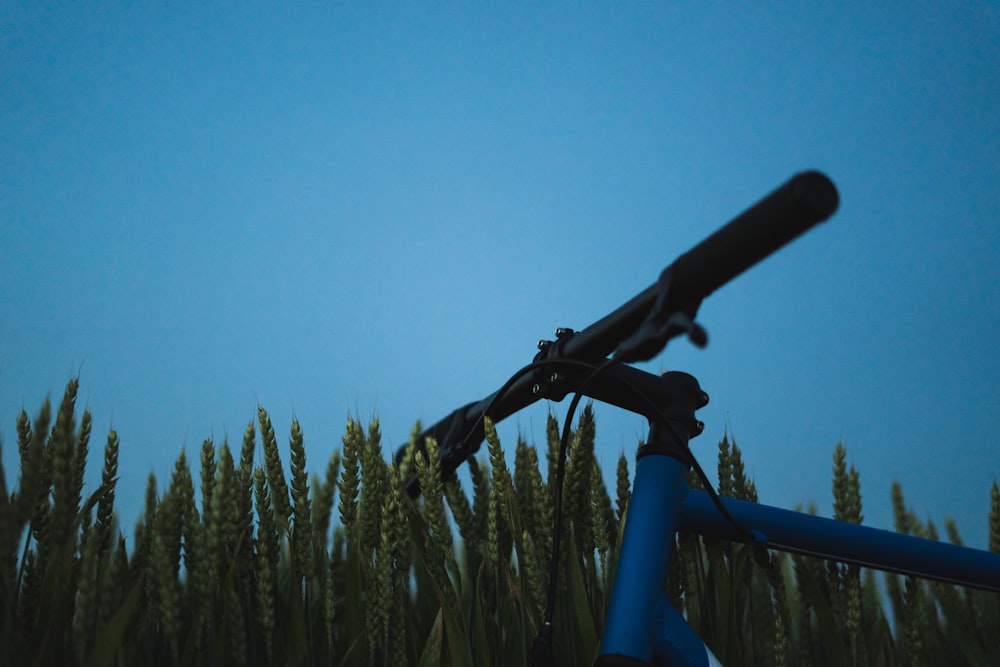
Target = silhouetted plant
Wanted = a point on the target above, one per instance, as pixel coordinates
(262, 572)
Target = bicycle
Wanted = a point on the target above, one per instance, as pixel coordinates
(642, 627)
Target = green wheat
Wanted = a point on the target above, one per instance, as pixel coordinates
(258, 569)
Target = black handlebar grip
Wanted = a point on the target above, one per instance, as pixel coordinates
(806, 199)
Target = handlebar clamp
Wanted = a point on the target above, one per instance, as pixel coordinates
(552, 384)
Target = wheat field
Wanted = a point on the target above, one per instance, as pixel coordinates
(257, 564)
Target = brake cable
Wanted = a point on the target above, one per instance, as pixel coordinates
(542, 649)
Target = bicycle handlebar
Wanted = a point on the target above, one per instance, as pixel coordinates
(805, 200)
(641, 326)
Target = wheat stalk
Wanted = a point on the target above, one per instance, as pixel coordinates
(622, 488)
(65, 494)
(497, 526)
(350, 476)
(302, 544)
(275, 472)
(374, 472)
(267, 560)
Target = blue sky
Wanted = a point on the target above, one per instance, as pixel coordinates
(380, 208)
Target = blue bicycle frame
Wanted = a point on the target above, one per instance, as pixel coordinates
(643, 628)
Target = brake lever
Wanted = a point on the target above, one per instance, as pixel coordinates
(664, 321)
